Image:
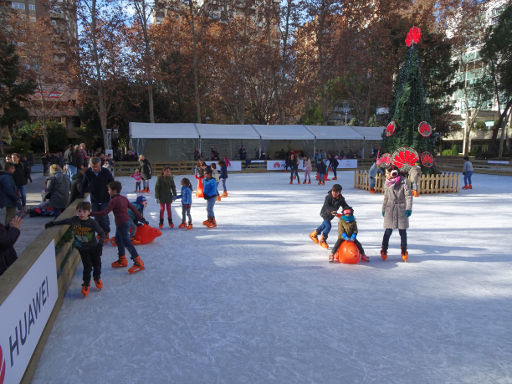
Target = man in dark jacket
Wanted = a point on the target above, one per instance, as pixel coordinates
(8, 193)
(95, 181)
(71, 161)
(333, 201)
(8, 236)
(20, 178)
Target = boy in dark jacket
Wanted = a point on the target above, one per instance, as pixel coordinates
(84, 231)
(333, 201)
(8, 236)
(119, 205)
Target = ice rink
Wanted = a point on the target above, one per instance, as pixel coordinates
(255, 300)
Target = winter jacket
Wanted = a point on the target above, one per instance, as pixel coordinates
(119, 205)
(96, 185)
(165, 189)
(467, 167)
(397, 199)
(8, 192)
(84, 232)
(209, 188)
(71, 157)
(8, 236)
(348, 228)
(307, 165)
(334, 163)
(321, 168)
(76, 187)
(145, 169)
(57, 186)
(215, 174)
(140, 208)
(414, 174)
(20, 175)
(332, 204)
(186, 196)
(224, 172)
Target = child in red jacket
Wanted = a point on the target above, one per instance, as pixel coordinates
(119, 205)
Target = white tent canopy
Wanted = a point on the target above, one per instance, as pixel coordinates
(218, 131)
(283, 132)
(333, 132)
(370, 133)
(163, 131)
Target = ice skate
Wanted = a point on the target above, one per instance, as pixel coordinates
(137, 266)
(85, 290)
(98, 283)
(135, 241)
(120, 263)
(206, 222)
(161, 224)
(182, 225)
(470, 187)
(365, 258)
(384, 254)
(323, 243)
(171, 224)
(405, 255)
(309, 182)
(313, 236)
(225, 194)
(218, 198)
(331, 258)
(189, 227)
(304, 182)
(212, 223)
(113, 242)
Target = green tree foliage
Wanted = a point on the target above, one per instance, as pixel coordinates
(497, 54)
(12, 91)
(409, 108)
(29, 137)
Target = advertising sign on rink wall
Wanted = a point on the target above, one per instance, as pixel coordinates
(24, 315)
(233, 166)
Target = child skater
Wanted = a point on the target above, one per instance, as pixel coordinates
(321, 168)
(223, 176)
(186, 203)
(140, 203)
(165, 189)
(396, 209)
(138, 178)
(307, 170)
(347, 231)
(199, 175)
(333, 201)
(119, 205)
(216, 176)
(84, 231)
(210, 195)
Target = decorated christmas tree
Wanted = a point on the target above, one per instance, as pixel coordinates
(408, 137)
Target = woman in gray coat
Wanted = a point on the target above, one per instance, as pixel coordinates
(396, 209)
(57, 190)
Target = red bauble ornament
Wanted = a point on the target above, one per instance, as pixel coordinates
(405, 158)
(425, 129)
(413, 36)
(427, 159)
(390, 129)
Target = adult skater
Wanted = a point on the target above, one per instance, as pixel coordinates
(396, 209)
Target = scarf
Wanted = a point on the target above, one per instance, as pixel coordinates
(392, 181)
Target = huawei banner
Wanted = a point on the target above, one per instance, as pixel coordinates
(24, 315)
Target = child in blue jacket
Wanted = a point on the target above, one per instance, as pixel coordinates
(186, 203)
(223, 176)
(210, 195)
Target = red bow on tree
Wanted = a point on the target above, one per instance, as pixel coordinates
(413, 36)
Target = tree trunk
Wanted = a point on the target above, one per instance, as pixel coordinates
(150, 102)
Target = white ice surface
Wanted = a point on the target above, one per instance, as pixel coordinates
(255, 301)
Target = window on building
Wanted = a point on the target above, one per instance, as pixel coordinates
(32, 7)
(17, 5)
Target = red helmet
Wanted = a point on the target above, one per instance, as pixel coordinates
(348, 212)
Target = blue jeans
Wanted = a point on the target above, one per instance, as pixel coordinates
(209, 206)
(133, 227)
(372, 182)
(467, 177)
(103, 221)
(324, 228)
(224, 184)
(123, 240)
(23, 195)
(70, 171)
(387, 235)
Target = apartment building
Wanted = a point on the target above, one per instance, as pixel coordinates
(58, 92)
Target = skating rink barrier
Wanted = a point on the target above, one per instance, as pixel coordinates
(446, 182)
(33, 291)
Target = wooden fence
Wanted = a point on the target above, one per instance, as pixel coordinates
(67, 259)
(447, 182)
